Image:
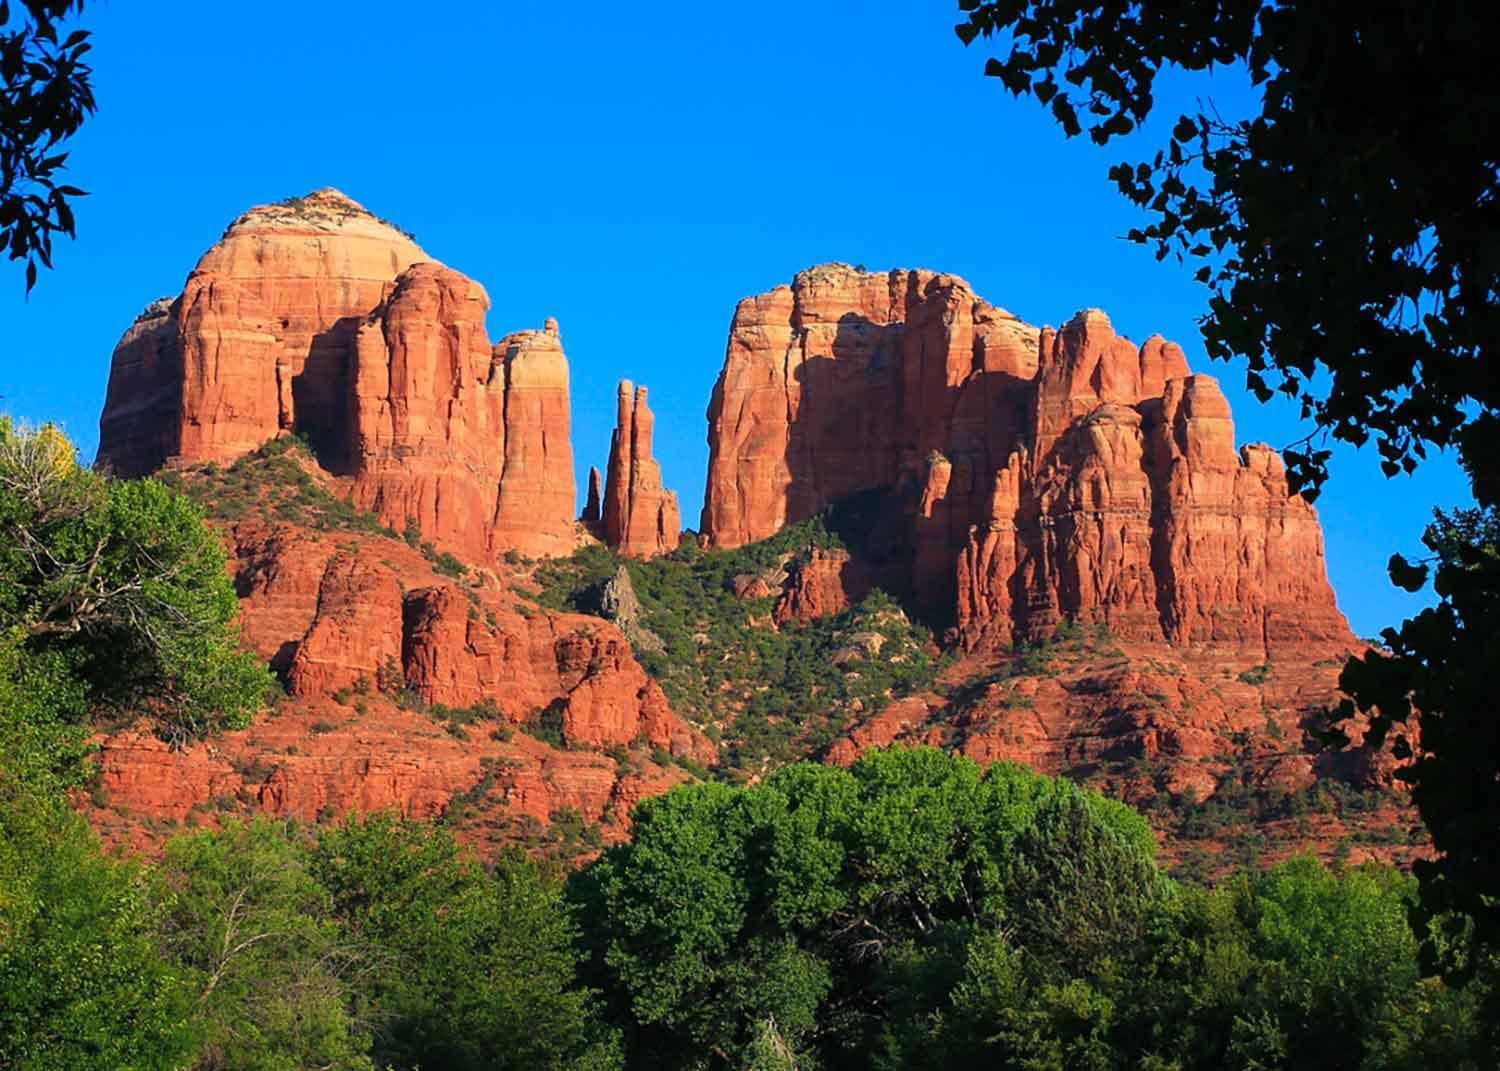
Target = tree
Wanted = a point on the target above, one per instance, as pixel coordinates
(1436, 676)
(1347, 232)
(1298, 966)
(82, 983)
(120, 587)
(46, 92)
(272, 971)
(466, 969)
(807, 919)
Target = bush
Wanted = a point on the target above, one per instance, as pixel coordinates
(772, 695)
(119, 588)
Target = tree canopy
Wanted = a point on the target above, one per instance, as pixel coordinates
(113, 594)
(1347, 233)
(46, 92)
(916, 911)
(1347, 230)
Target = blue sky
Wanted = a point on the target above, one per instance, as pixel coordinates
(632, 170)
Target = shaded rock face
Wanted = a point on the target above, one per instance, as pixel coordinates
(618, 603)
(640, 517)
(312, 317)
(845, 381)
(593, 505)
(1036, 475)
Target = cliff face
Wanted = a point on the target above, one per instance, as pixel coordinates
(1006, 478)
(640, 517)
(312, 317)
(377, 649)
(1033, 475)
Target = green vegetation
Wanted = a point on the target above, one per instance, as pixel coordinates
(774, 694)
(915, 911)
(1257, 674)
(82, 982)
(273, 482)
(113, 597)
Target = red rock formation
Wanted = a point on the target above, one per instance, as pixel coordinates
(536, 482)
(1143, 721)
(829, 582)
(321, 760)
(355, 630)
(847, 381)
(1038, 476)
(592, 507)
(369, 613)
(357, 623)
(640, 517)
(314, 317)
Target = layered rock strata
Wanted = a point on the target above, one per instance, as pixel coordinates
(1034, 475)
(312, 317)
(363, 615)
(640, 517)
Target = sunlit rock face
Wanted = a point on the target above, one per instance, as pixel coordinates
(640, 517)
(1031, 476)
(313, 317)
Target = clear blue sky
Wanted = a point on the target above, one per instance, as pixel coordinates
(632, 169)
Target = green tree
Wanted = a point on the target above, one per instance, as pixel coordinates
(43, 719)
(813, 914)
(1297, 967)
(82, 984)
(466, 969)
(1075, 890)
(121, 585)
(1346, 231)
(46, 92)
(272, 970)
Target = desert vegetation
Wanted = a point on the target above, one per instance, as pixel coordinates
(770, 692)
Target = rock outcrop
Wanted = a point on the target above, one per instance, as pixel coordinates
(593, 505)
(1031, 476)
(640, 517)
(369, 613)
(312, 317)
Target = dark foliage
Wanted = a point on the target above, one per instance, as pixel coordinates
(1347, 230)
(1434, 685)
(1348, 234)
(46, 92)
(773, 693)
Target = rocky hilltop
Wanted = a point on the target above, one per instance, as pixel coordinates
(312, 317)
(1029, 476)
(1116, 593)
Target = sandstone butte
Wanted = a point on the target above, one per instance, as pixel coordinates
(1023, 477)
(640, 518)
(1029, 476)
(314, 317)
